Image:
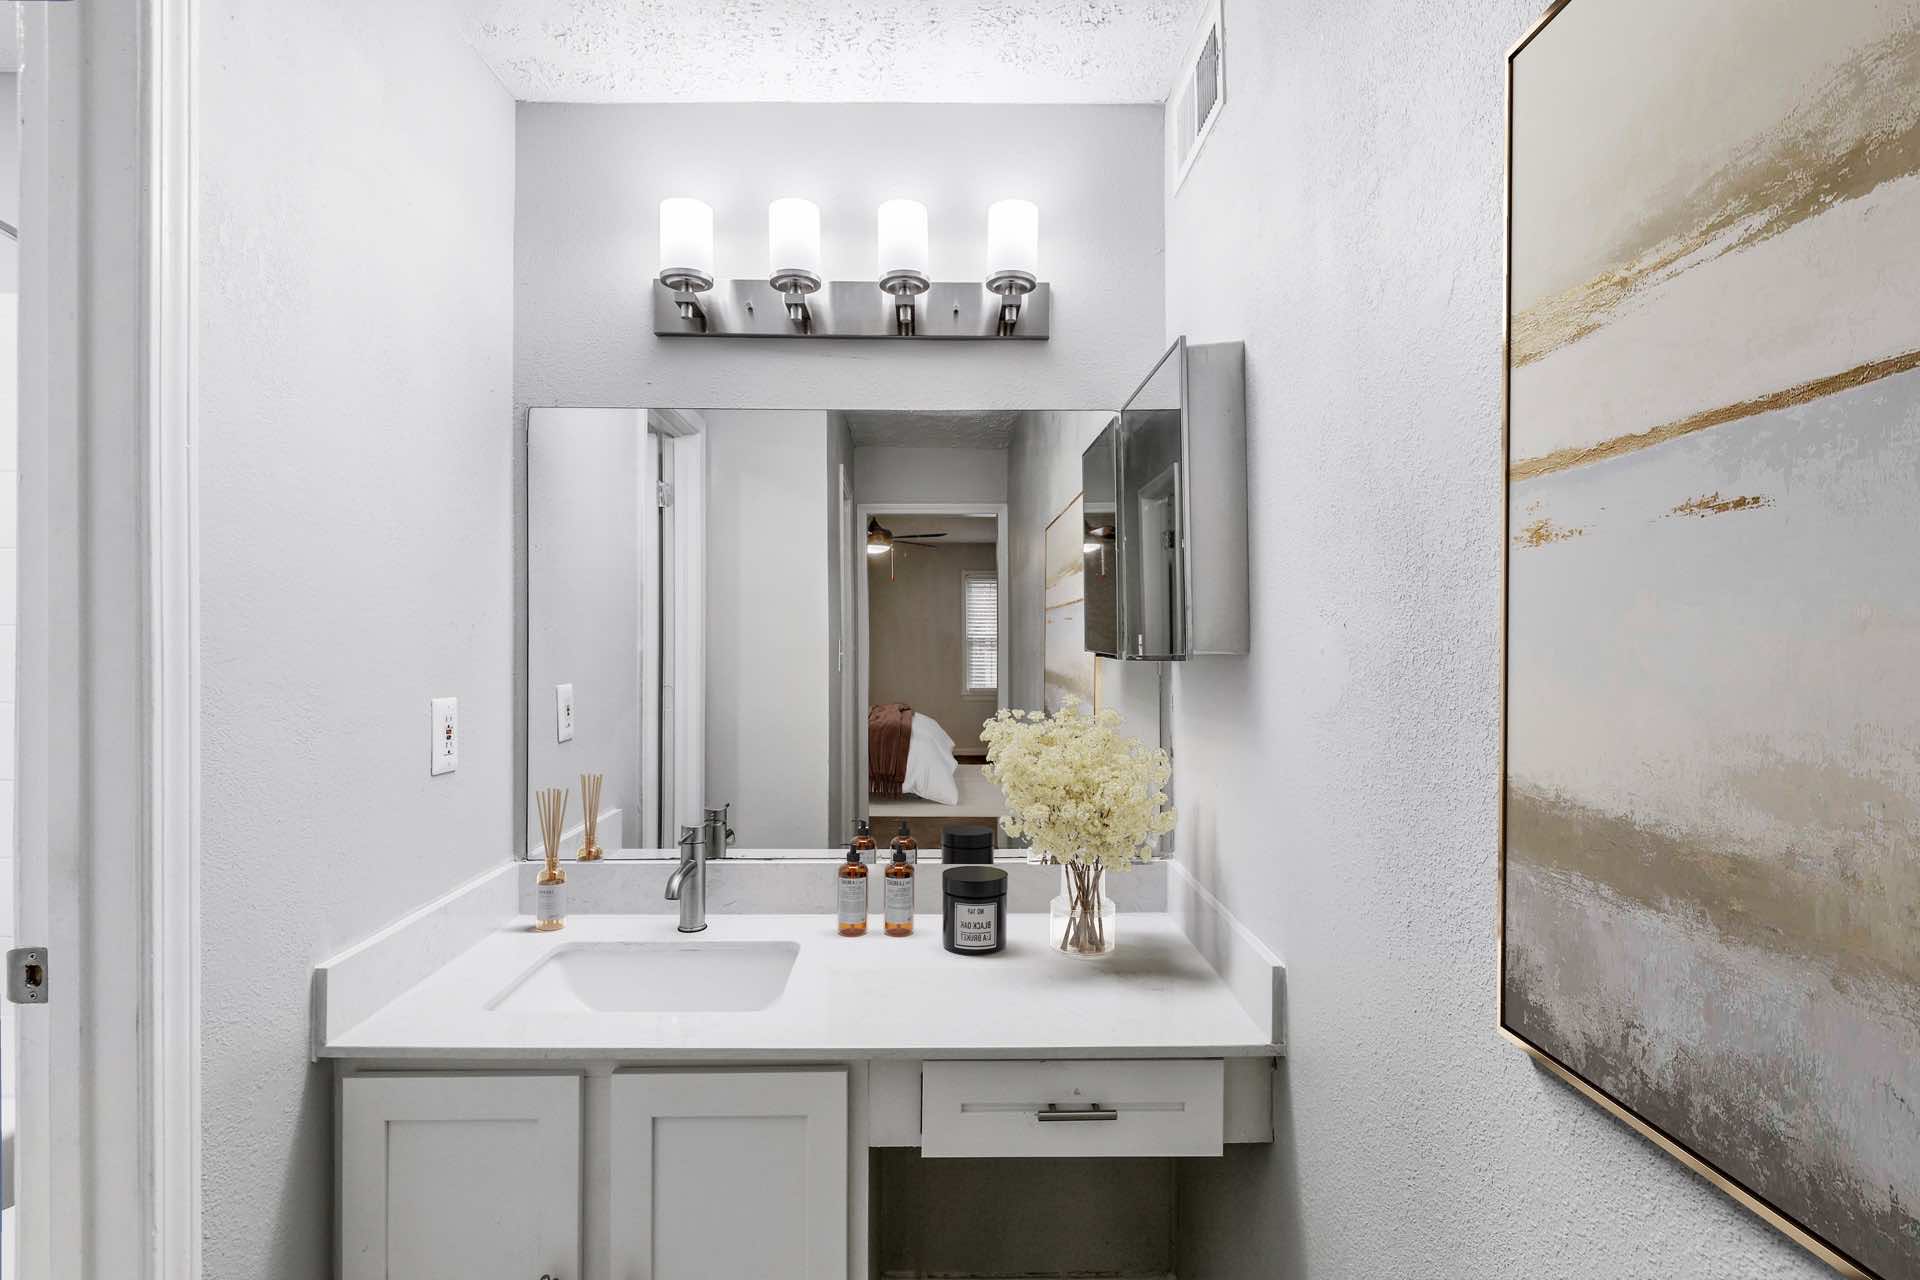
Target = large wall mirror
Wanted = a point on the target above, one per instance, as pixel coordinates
(804, 614)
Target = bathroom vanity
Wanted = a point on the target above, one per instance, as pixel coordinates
(638, 1096)
(620, 1100)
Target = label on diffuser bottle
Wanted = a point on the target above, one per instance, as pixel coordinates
(549, 901)
(853, 899)
(898, 898)
(976, 925)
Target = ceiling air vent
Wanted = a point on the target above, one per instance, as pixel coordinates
(1197, 96)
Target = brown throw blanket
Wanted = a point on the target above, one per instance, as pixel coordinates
(889, 734)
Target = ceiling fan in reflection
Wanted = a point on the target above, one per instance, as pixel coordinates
(882, 541)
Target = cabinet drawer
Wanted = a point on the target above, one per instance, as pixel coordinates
(1072, 1108)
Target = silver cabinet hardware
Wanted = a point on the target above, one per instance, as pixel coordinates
(1092, 1111)
(27, 975)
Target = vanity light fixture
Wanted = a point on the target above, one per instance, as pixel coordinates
(903, 258)
(793, 253)
(1013, 255)
(686, 253)
(794, 299)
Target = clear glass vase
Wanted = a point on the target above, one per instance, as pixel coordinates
(1082, 921)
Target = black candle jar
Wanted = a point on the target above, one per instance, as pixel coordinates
(974, 921)
(966, 844)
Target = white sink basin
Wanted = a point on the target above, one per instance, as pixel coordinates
(652, 977)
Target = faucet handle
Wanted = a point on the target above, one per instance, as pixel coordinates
(689, 837)
(720, 820)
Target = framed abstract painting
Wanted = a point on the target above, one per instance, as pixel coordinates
(1710, 863)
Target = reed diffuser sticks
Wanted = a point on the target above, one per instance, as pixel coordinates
(590, 850)
(550, 913)
(553, 818)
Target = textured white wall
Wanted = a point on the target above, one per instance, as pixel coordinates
(592, 177)
(1338, 788)
(355, 342)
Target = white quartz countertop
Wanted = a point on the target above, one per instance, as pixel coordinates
(846, 998)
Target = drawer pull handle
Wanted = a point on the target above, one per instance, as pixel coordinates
(1053, 1111)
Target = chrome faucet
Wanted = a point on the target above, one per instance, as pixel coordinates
(690, 894)
(719, 830)
(697, 845)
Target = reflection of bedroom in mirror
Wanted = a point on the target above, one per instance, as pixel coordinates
(804, 614)
(932, 662)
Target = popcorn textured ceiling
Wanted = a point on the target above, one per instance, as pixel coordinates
(1038, 51)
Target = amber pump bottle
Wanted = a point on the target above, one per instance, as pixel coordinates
(904, 840)
(863, 842)
(896, 895)
(853, 893)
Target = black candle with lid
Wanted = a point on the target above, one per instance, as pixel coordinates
(966, 844)
(974, 921)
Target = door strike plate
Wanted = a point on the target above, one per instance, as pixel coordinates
(27, 975)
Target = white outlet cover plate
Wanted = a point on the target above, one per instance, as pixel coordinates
(445, 741)
(563, 710)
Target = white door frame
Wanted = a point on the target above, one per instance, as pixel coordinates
(107, 803)
(862, 512)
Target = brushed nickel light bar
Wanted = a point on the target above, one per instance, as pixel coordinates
(902, 300)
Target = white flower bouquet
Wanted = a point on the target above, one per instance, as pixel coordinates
(1087, 798)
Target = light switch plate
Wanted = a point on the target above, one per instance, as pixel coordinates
(563, 710)
(445, 742)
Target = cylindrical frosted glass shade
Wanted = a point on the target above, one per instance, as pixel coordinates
(903, 239)
(686, 238)
(1013, 240)
(793, 239)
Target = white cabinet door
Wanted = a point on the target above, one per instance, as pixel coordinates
(459, 1177)
(730, 1174)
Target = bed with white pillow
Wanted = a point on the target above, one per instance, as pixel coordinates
(930, 763)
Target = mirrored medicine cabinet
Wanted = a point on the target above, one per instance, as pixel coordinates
(1165, 513)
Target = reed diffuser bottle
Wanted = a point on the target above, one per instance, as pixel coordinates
(550, 911)
(590, 850)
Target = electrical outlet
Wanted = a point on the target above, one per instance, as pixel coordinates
(563, 710)
(445, 742)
